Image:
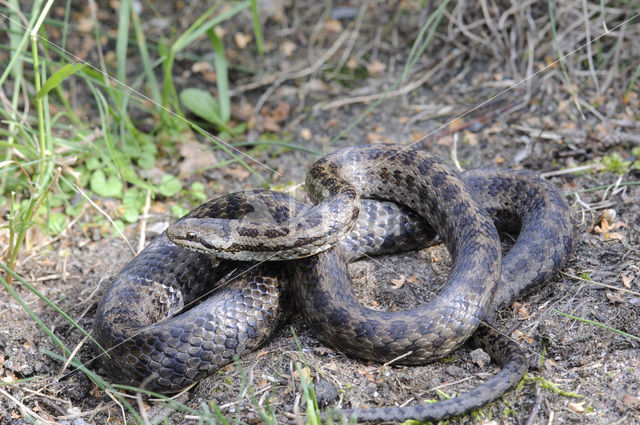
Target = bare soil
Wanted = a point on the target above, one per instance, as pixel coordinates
(580, 371)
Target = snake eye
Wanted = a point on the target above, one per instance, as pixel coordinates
(191, 236)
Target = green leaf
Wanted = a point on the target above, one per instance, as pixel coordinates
(146, 161)
(133, 198)
(178, 211)
(202, 104)
(58, 77)
(169, 186)
(57, 223)
(74, 210)
(93, 163)
(130, 214)
(197, 191)
(110, 187)
(120, 225)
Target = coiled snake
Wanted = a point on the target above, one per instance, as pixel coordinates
(154, 343)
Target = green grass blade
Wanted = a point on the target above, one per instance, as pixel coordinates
(257, 30)
(16, 57)
(420, 46)
(50, 303)
(98, 380)
(229, 152)
(35, 317)
(222, 76)
(147, 66)
(59, 76)
(637, 338)
(416, 50)
(277, 143)
(199, 27)
(122, 40)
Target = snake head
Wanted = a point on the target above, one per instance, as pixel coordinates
(210, 236)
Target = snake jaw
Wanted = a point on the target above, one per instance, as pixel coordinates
(206, 235)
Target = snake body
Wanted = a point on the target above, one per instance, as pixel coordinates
(155, 346)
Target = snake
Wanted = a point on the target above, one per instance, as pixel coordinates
(163, 335)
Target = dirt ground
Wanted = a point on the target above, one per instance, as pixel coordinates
(580, 371)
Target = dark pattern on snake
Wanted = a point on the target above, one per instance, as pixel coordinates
(141, 356)
(517, 201)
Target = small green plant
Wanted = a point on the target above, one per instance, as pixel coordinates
(585, 276)
(614, 163)
(636, 153)
(551, 386)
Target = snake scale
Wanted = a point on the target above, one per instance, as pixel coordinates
(160, 338)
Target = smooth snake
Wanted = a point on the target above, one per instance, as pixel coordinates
(152, 344)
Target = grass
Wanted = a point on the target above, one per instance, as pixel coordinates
(49, 148)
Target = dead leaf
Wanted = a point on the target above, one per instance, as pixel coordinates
(446, 141)
(195, 156)
(605, 228)
(626, 280)
(434, 255)
(269, 124)
(375, 137)
(330, 124)
(333, 25)
(85, 24)
(399, 283)
(318, 85)
(46, 262)
(522, 310)
(631, 99)
(417, 135)
(577, 406)
(615, 297)
(287, 47)
(242, 112)
(455, 124)
(629, 401)
(376, 68)
(241, 39)
(321, 350)
(237, 172)
(305, 133)
(352, 64)
(413, 279)
(306, 372)
(273, 117)
(365, 372)
(206, 69)
(609, 215)
(517, 334)
(281, 112)
(472, 139)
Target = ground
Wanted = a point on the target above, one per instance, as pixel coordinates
(580, 332)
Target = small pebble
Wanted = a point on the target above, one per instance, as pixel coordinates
(480, 357)
(325, 392)
(454, 371)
